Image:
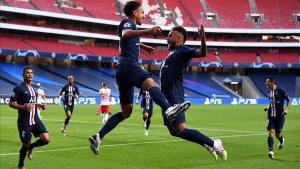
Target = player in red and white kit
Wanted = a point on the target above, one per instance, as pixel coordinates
(41, 99)
(103, 108)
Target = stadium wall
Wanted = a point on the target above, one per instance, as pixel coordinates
(201, 101)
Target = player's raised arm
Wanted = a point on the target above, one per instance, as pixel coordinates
(151, 50)
(200, 53)
(135, 33)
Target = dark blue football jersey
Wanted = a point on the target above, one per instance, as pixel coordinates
(23, 94)
(171, 73)
(146, 102)
(129, 47)
(68, 93)
(277, 98)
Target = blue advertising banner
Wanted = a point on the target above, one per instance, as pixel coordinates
(203, 101)
(110, 59)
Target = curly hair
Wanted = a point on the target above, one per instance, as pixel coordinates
(130, 7)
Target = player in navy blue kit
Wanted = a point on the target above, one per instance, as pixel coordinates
(24, 98)
(147, 109)
(68, 94)
(171, 80)
(130, 74)
(276, 113)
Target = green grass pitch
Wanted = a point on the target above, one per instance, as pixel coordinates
(241, 128)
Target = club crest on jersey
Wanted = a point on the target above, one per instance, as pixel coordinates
(127, 25)
(32, 100)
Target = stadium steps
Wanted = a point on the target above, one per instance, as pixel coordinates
(62, 76)
(4, 2)
(188, 13)
(253, 6)
(88, 13)
(249, 89)
(8, 81)
(206, 9)
(297, 90)
(58, 2)
(105, 72)
(204, 5)
(188, 90)
(225, 88)
(34, 6)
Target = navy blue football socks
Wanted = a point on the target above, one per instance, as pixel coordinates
(159, 98)
(23, 152)
(67, 121)
(270, 143)
(196, 137)
(280, 139)
(111, 123)
(148, 124)
(37, 143)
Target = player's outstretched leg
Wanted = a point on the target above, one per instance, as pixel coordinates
(159, 98)
(111, 123)
(214, 147)
(220, 150)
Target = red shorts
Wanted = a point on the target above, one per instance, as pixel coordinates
(104, 109)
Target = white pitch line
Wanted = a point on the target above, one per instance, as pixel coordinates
(153, 125)
(128, 144)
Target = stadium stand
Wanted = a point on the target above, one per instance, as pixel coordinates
(278, 14)
(286, 81)
(231, 14)
(204, 85)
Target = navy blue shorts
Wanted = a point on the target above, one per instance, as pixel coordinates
(128, 77)
(276, 123)
(180, 118)
(25, 130)
(69, 108)
(147, 109)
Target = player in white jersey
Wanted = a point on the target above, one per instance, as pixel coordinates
(41, 98)
(103, 109)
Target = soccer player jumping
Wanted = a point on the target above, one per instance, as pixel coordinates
(171, 80)
(24, 98)
(276, 113)
(130, 74)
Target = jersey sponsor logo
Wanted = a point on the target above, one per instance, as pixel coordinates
(127, 25)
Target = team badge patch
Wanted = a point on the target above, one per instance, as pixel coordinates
(127, 25)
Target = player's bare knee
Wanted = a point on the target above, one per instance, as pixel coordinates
(146, 116)
(45, 138)
(149, 83)
(177, 129)
(271, 133)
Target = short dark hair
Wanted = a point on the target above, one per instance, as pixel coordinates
(182, 31)
(130, 7)
(26, 68)
(272, 79)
